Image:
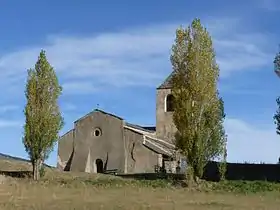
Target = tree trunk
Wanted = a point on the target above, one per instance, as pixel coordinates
(36, 169)
(189, 176)
(33, 169)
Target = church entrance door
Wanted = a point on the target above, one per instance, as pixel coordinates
(99, 166)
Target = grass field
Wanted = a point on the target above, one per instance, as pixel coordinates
(84, 191)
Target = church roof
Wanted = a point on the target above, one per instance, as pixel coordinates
(98, 110)
(108, 113)
(150, 129)
(167, 84)
(143, 128)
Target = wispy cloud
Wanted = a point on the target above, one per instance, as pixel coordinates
(249, 142)
(69, 107)
(10, 123)
(133, 57)
(79, 87)
(7, 108)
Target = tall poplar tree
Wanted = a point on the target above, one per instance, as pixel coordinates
(43, 119)
(277, 114)
(199, 110)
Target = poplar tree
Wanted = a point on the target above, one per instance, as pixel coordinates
(43, 119)
(198, 109)
(277, 114)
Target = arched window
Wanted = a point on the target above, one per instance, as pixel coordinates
(97, 132)
(169, 103)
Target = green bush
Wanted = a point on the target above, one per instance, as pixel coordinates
(246, 186)
(42, 171)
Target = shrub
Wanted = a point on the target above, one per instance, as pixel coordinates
(42, 171)
(246, 186)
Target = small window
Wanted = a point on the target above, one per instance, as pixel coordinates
(169, 103)
(97, 132)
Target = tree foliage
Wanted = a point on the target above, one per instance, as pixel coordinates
(199, 110)
(43, 119)
(277, 62)
(223, 162)
(277, 114)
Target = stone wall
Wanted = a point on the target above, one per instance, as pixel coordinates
(165, 128)
(65, 151)
(139, 159)
(107, 147)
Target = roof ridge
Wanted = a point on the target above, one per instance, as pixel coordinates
(167, 83)
(101, 111)
(143, 128)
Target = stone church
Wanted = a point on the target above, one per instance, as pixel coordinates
(101, 141)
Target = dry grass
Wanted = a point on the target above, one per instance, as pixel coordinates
(52, 194)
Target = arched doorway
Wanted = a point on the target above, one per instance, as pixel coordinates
(99, 165)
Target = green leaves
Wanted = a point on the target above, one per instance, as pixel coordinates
(276, 117)
(43, 119)
(199, 111)
(277, 62)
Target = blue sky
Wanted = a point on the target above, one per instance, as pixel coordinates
(116, 53)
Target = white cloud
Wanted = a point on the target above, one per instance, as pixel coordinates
(9, 123)
(237, 55)
(68, 107)
(8, 108)
(132, 57)
(250, 143)
(78, 87)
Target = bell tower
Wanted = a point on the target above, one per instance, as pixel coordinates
(165, 128)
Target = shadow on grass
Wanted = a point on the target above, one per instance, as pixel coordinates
(153, 176)
(175, 180)
(17, 174)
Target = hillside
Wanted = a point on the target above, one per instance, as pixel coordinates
(8, 162)
(9, 157)
(5, 156)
